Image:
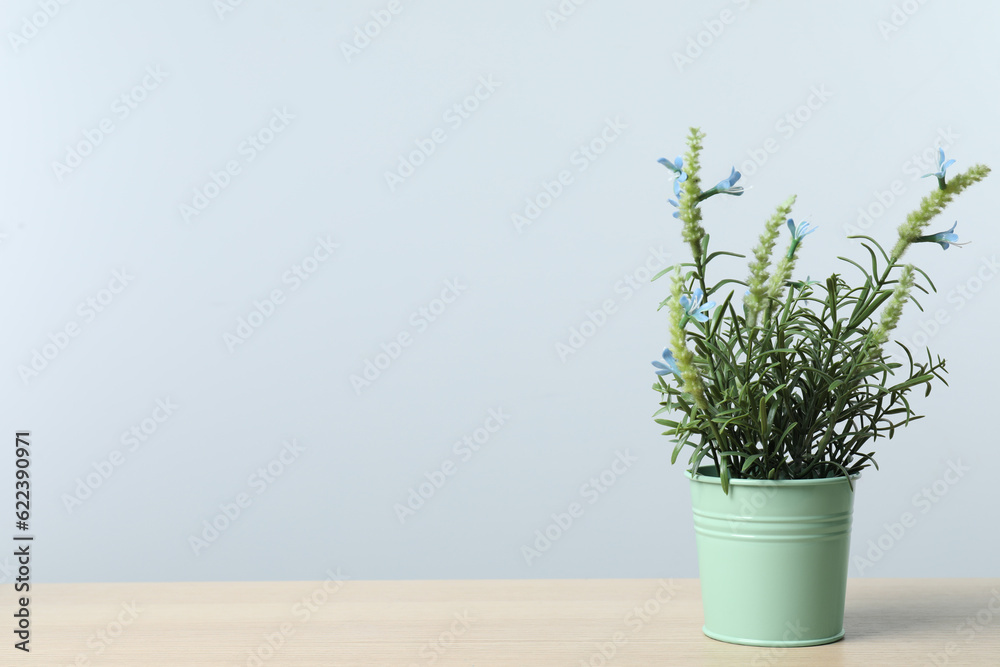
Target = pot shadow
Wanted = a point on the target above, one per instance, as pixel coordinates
(893, 618)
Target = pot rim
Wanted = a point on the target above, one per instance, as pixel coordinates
(716, 480)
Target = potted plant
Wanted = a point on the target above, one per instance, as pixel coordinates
(780, 389)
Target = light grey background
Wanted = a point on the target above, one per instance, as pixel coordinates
(885, 80)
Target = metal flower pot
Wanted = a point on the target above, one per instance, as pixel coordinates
(773, 558)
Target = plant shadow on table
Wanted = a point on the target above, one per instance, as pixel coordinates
(888, 618)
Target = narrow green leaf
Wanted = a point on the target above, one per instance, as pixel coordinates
(859, 317)
(749, 461)
(723, 252)
(663, 272)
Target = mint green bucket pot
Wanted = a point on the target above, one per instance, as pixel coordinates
(772, 558)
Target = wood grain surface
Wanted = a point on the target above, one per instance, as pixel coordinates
(911, 622)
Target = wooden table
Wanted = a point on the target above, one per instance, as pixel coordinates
(645, 622)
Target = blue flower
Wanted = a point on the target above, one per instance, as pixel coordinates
(668, 365)
(727, 186)
(675, 167)
(798, 233)
(677, 193)
(948, 238)
(801, 231)
(942, 168)
(692, 308)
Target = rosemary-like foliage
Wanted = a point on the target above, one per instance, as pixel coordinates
(795, 382)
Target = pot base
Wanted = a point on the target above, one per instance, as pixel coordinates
(777, 643)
